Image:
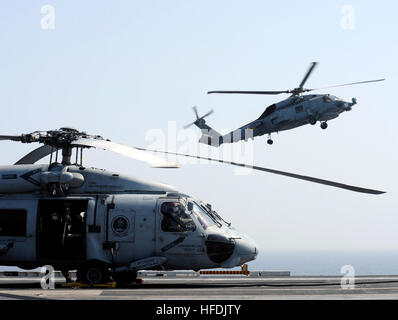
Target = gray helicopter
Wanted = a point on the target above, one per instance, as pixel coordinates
(108, 225)
(293, 112)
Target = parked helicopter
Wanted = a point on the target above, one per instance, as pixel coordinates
(293, 112)
(109, 225)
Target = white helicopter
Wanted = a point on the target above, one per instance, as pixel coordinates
(109, 225)
(293, 112)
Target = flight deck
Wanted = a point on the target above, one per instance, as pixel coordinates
(259, 285)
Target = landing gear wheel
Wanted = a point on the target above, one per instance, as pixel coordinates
(270, 141)
(324, 125)
(94, 272)
(124, 278)
(312, 121)
(67, 275)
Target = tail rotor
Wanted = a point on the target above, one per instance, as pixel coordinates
(198, 119)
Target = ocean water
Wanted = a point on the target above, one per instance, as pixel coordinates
(328, 262)
(321, 262)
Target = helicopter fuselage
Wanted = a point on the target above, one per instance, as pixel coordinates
(293, 112)
(297, 111)
(108, 219)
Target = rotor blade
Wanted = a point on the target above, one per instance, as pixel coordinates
(12, 138)
(283, 173)
(207, 114)
(311, 68)
(36, 155)
(250, 92)
(127, 151)
(347, 84)
(198, 118)
(189, 125)
(195, 110)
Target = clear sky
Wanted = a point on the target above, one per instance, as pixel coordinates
(123, 68)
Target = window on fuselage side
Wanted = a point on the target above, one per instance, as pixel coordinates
(299, 109)
(12, 223)
(176, 218)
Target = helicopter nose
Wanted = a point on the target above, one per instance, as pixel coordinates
(345, 105)
(246, 249)
(348, 105)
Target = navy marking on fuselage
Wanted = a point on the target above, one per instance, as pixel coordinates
(28, 177)
(9, 176)
(173, 244)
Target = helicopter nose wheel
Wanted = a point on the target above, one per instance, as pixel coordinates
(312, 121)
(324, 125)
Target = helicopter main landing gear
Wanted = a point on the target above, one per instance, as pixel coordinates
(312, 120)
(270, 141)
(324, 125)
(93, 272)
(125, 278)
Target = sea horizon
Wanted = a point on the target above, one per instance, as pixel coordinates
(319, 262)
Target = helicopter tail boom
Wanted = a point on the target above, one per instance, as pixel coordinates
(215, 139)
(210, 136)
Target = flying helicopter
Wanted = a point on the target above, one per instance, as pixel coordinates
(108, 225)
(295, 111)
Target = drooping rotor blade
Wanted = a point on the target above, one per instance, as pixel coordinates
(310, 70)
(127, 151)
(347, 84)
(12, 138)
(36, 155)
(283, 173)
(250, 92)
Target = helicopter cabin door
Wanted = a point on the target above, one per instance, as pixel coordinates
(18, 230)
(61, 229)
(177, 237)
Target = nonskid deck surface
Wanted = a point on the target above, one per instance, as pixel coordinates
(211, 288)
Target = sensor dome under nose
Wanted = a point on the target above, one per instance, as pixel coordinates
(219, 247)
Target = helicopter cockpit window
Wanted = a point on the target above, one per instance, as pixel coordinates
(214, 214)
(203, 216)
(327, 99)
(176, 218)
(268, 111)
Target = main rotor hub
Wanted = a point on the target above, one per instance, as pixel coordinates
(61, 138)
